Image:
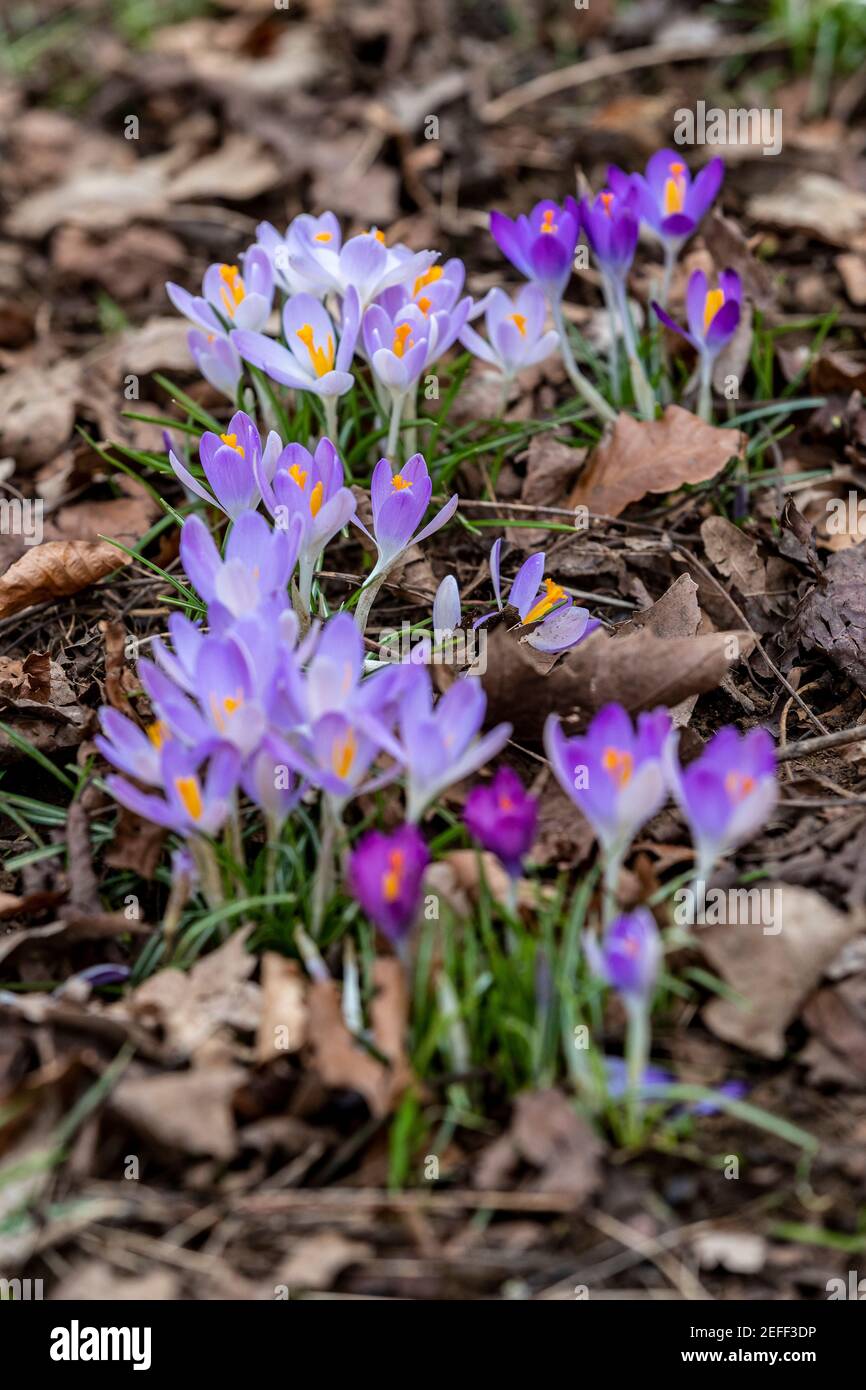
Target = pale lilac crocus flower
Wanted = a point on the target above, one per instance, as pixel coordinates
(399, 502)
(561, 623)
(713, 316)
(515, 333)
(727, 794)
(323, 231)
(229, 299)
(192, 805)
(217, 360)
(309, 487)
(230, 462)
(442, 745)
(256, 568)
(614, 774)
(363, 263)
(130, 748)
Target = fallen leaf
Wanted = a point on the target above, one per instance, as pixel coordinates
(343, 1063)
(56, 570)
(735, 555)
(37, 411)
(190, 1111)
(283, 1021)
(93, 1281)
(830, 620)
(830, 210)
(315, 1261)
(650, 456)
(547, 1133)
(740, 1252)
(772, 972)
(852, 269)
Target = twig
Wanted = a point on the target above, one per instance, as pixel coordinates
(817, 745)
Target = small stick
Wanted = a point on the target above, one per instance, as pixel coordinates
(816, 745)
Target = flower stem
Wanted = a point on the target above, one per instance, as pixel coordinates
(331, 404)
(411, 441)
(612, 866)
(613, 358)
(583, 387)
(705, 394)
(323, 883)
(637, 1056)
(397, 403)
(671, 250)
(366, 601)
(643, 393)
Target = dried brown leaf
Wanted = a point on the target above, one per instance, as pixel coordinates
(55, 570)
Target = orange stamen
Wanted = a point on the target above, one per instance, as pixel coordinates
(555, 594)
(618, 765)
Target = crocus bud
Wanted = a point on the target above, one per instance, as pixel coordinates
(502, 817)
(628, 956)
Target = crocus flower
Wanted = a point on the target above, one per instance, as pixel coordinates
(654, 1082)
(668, 199)
(385, 874)
(446, 607)
(228, 704)
(229, 461)
(229, 299)
(613, 773)
(611, 224)
(399, 502)
(309, 487)
(561, 624)
(322, 231)
(515, 331)
(256, 567)
(337, 754)
(217, 360)
(726, 794)
(541, 246)
(502, 817)
(313, 358)
(364, 263)
(192, 806)
(441, 746)
(397, 347)
(436, 290)
(713, 316)
(130, 748)
(629, 955)
(268, 782)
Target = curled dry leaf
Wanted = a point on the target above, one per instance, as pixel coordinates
(772, 971)
(642, 456)
(342, 1062)
(831, 618)
(55, 570)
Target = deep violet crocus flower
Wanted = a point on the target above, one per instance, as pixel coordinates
(629, 955)
(441, 746)
(229, 461)
(385, 875)
(614, 775)
(515, 332)
(561, 624)
(669, 200)
(712, 316)
(541, 246)
(502, 816)
(611, 225)
(726, 794)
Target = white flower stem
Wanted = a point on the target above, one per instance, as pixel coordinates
(397, 403)
(331, 405)
(367, 599)
(584, 388)
(670, 261)
(412, 432)
(637, 1056)
(705, 394)
(643, 393)
(613, 356)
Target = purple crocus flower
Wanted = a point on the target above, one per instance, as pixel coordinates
(399, 501)
(385, 875)
(217, 360)
(256, 568)
(629, 955)
(561, 624)
(712, 315)
(611, 224)
(94, 977)
(726, 794)
(308, 490)
(398, 347)
(515, 329)
(364, 263)
(655, 1080)
(613, 773)
(441, 746)
(541, 246)
(323, 231)
(229, 461)
(192, 806)
(436, 290)
(133, 750)
(502, 817)
(228, 298)
(268, 782)
(229, 696)
(313, 359)
(337, 753)
(668, 199)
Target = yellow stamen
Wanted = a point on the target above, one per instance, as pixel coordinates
(157, 732)
(520, 321)
(618, 765)
(221, 708)
(322, 236)
(392, 878)
(189, 792)
(554, 595)
(675, 190)
(739, 785)
(402, 339)
(607, 202)
(298, 475)
(232, 289)
(321, 358)
(316, 499)
(343, 756)
(424, 304)
(380, 236)
(399, 482)
(232, 441)
(547, 222)
(712, 304)
(428, 278)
